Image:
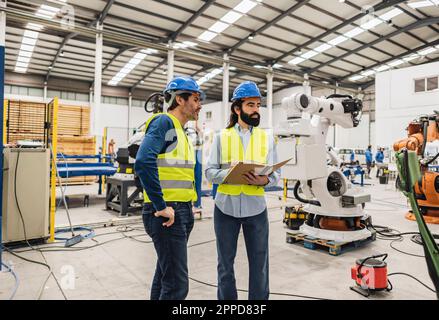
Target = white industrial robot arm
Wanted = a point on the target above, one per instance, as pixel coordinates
(338, 109)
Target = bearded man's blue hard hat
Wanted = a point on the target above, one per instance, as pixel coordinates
(247, 89)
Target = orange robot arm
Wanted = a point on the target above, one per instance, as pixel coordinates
(411, 143)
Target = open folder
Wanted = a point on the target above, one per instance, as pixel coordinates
(236, 172)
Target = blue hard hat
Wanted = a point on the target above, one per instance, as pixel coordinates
(247, 89)
(181, 83)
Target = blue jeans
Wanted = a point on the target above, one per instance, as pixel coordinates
(255, 231)
(170, 280)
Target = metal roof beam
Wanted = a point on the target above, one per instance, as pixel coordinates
(188, 22)
(122, 39)
(415, 25)
(103, 13)
(384, 4)
(161, 63)
(295, 7)
(431, 44)
(71, 35)
(117, 55)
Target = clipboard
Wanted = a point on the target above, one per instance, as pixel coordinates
(235, 174)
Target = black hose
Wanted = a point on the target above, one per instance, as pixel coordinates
(296, 195)
(157, 103)
(337, 95)
(431, 160)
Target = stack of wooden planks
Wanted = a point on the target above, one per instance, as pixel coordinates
(26, 122)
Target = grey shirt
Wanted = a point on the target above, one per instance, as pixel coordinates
(243, 205)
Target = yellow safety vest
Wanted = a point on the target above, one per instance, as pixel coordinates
(176, 168)
(232, 150)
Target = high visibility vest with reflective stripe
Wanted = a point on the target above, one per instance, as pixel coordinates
(176, 167)
(232, 150)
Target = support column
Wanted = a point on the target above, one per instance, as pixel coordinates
(2, 91)
(306, 86)
(96, 107)
(335, 126)
(270, 96)
(306, 90)
(130, 105)
(45, 92)
(225, 112)
(170, 70)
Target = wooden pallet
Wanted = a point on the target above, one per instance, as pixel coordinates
(334, 248)
(26, 117)
(26, 122)
(77, 180)
(72, 145)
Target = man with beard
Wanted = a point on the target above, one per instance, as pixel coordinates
(165, 165)
(242, 205)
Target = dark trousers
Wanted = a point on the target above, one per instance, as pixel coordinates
(255, 231)
(170, 280)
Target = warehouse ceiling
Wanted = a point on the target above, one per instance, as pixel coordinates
(329, 40)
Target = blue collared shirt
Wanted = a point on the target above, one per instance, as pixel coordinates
(243, 205)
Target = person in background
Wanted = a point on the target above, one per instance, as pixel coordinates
(379, 158)
(368, 155)
(352, 157)
(111, 148)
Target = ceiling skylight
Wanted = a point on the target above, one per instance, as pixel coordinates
(229, 18)
(351, 34)
(129, 66)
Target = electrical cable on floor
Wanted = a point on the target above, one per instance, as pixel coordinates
(418, 239)
(64, 249)
(394, 235)
(19, 209)
(65, 186)
(56, 280)
(404, 252)
(271, 293)
(63, 196)
(24, 224)
(31, 261)
(390, 233)
(414, 278)
(242, 290)
(17, 202)
(17, 281)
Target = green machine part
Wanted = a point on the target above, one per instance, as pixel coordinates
(410, 174)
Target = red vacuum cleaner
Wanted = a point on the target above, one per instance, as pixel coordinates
(370, 275)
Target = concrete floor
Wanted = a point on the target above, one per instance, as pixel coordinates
(123, 269)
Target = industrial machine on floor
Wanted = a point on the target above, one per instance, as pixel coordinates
(294, 217)
(334, 207)
(370, 275)
(26, 187)
(124, 191)
(423, 138)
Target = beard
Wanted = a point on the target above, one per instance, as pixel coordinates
(250, 119)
